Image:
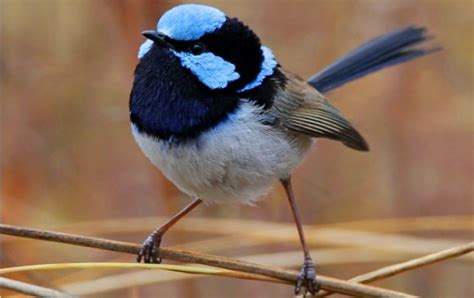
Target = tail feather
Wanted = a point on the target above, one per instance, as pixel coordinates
(389, 49)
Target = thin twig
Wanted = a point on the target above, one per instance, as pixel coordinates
(327, 283)
(415, 263)
(29, 289)
(115, 265)
(324, 235)
(410, 265)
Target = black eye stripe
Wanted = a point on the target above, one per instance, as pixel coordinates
(194, 47)
(198, 48)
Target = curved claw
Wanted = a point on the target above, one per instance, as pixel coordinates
(307, 278)
(150, 248)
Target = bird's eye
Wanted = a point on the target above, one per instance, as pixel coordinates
(197, 48)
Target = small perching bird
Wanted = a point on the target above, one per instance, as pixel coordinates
(215, 112)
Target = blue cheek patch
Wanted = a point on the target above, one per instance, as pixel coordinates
(190, 21)
(211, 70)
(144, 48)
(268, 66)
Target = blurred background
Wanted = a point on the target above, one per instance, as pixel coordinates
(69, 162)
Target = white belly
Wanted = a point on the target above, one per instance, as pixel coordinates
(238, 160)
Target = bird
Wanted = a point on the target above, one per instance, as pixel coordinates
(215, 112)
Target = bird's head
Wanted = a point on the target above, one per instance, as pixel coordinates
(220, 52)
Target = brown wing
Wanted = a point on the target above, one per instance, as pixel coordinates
(303, 109)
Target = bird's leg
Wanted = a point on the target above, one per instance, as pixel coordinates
(307, 276)
(151, 245)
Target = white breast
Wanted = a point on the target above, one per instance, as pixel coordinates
(238, 160)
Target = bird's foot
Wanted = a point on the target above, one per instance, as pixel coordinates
(307, 278)
(150, 248)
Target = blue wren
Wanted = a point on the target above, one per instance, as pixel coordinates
(212, 108)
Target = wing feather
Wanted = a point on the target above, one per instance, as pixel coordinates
(304, 110)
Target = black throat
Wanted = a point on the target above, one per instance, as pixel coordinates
(166, 101)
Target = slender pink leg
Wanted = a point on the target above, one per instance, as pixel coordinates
(151, 245)
(307, 276)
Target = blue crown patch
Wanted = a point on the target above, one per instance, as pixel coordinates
(190, 21)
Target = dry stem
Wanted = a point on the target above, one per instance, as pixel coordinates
(289, 276)
(30, 289)
(410, 265)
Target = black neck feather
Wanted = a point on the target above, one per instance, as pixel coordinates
(166, 100)
(265, 93)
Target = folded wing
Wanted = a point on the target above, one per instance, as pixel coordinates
(302, 109)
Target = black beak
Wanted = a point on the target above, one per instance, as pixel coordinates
(157, 37)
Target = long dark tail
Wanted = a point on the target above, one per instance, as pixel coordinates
(387, 50)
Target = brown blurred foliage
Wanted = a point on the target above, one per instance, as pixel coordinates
(67, 154)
